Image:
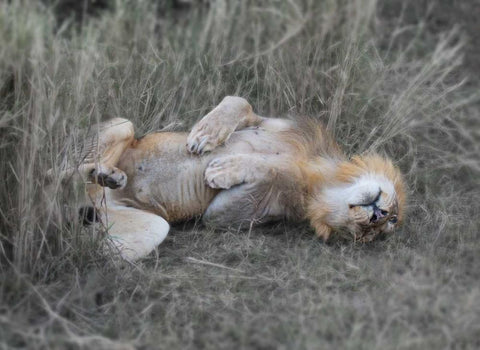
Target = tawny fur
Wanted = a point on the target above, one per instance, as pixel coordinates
(236, 167)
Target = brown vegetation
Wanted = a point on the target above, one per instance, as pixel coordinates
(382, 80)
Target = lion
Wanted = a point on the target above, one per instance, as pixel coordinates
(236, 169)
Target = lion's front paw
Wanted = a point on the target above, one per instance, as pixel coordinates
(108, 177)
(207, 135)
(224, 173)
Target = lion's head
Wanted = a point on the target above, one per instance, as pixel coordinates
(366, 198)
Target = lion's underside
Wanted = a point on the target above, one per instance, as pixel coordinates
(236, 168)
(165, 179)
(166, 183)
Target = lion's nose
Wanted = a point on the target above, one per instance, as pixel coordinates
(377, 214)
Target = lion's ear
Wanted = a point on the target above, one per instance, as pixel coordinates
(323, 231)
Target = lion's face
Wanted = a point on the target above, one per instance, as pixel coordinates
(366, 199)
(374, 209)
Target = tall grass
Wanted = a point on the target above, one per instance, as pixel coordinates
(399, 92)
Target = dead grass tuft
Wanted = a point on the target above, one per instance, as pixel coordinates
(378, 83)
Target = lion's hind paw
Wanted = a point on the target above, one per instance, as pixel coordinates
(110, 177)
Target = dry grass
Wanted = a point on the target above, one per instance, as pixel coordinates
(378, 84)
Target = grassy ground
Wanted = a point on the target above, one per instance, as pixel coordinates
(380, 75)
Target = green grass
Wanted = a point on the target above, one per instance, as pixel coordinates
(379, 83)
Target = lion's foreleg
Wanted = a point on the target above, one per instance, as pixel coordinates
(233, 113)
(227, 171)
(257, 188)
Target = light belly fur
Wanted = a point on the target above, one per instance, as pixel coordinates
(165, 179)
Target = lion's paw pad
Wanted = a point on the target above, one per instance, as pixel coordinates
(109, 177)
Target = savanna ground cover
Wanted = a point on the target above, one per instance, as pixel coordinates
(396, 77)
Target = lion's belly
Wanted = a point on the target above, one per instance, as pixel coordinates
(254, 140)
(165, 179)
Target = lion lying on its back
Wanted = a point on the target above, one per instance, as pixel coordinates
(236, 168)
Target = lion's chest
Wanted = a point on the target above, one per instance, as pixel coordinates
(255, 140)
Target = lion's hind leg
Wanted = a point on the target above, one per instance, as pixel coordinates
(103, 150)
(99, 154)
(133, 233)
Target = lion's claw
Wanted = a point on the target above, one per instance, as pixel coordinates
(205, 138)
(217, 126)
(108, 177)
